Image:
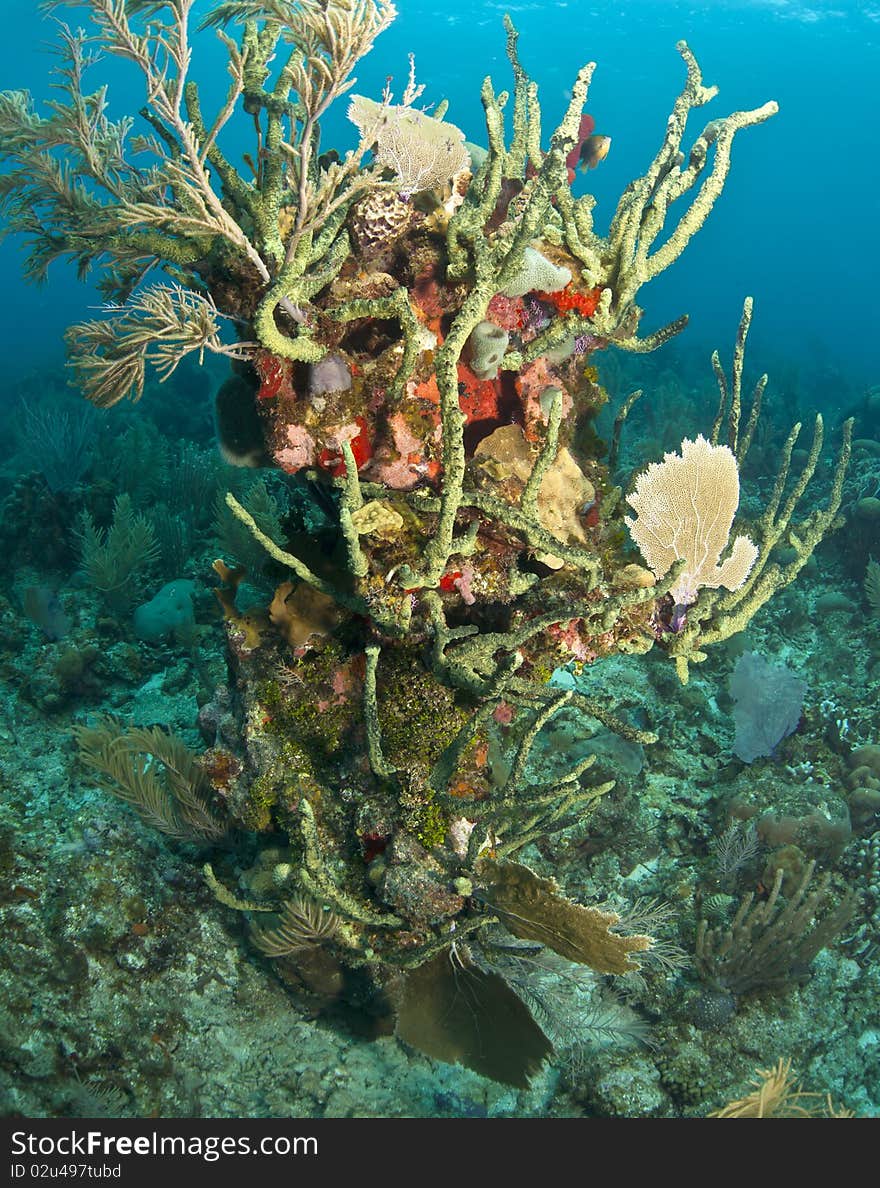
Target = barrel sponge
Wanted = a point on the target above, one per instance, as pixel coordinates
(488, 344)
(537, 274)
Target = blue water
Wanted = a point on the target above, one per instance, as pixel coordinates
(798, 225)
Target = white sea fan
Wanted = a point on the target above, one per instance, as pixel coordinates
(423, 152)
(684, 508)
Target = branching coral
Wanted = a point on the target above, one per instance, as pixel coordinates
(771, 943)
(872, 586)
(158, 325)
(73, 190)
(777, 1093)
(265, 247)
(302, 922)
(112, 558)
(155, 773)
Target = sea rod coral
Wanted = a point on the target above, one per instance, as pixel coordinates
(408, 325)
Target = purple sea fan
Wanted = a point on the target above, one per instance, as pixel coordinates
(769, 699)
(42, 607)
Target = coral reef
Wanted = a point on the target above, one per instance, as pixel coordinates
(410, 329)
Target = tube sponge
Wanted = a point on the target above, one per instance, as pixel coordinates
(488, 344)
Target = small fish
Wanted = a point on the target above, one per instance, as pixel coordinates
(593, 150)
(589, 148)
